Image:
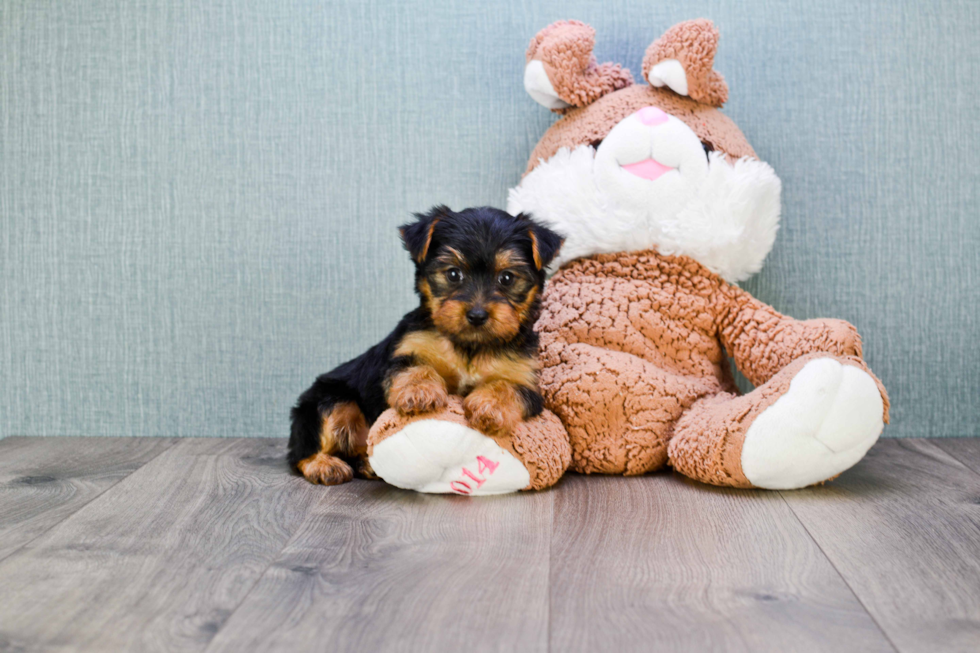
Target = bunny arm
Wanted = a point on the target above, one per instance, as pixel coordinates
(763, 341)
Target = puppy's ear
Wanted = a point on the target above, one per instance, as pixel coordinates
(417, 235)
(545, 243)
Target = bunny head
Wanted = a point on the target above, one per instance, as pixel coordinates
(654, 165)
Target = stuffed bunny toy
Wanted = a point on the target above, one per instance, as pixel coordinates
(665, 206)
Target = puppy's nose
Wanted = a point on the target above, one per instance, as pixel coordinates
(651, 116)
(477, 316)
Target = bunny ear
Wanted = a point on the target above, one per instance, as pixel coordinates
(562, 72)
(683, 59)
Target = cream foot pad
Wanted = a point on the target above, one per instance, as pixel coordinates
(824, 424)
(438, 456)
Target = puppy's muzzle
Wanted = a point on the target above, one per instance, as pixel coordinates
(477, 316)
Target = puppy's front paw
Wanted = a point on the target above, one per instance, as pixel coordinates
(324, 469)
(419, 397)
(493, 411)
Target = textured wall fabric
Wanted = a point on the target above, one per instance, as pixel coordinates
(198, 199)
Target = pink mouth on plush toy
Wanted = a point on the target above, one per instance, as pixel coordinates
(647, 169)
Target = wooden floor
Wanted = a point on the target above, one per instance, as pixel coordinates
(119, 544)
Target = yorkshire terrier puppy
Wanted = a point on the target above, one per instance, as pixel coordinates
(479, 275)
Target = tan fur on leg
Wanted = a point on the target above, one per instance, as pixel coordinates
(364, 469)
(494, 408)
(344, 430)
(325, 469)
(417, 389)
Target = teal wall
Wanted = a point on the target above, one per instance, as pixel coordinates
(198, 199)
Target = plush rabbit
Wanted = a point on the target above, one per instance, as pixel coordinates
(665, 206)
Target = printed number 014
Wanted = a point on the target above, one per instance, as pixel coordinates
(485, 467)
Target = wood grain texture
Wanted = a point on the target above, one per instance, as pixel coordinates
(965, 450)
(660, 563)
(158, 562)
(903, 528)
(44, 480)
(214, 545)
(374, 568)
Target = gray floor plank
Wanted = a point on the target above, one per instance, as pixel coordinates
(160, 560)
(378, 569)
(903, 528)
(965, 450)
(662, 563)
(44, 480)
(142, 544)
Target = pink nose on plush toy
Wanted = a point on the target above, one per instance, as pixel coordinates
(652, 116)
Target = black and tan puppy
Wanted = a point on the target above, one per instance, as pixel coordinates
(479, 274)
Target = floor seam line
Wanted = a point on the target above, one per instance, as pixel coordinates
(244, 598)
(840, 575)
(952, 455)
(258, 579)
(87, 503)
(551, 543)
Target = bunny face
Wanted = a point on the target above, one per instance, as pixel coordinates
(642, 166)
(651, 160)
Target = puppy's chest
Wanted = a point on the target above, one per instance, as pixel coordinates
(465, 376)
(464, 373)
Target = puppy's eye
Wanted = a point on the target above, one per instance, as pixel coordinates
(454, 275)
(506, 278)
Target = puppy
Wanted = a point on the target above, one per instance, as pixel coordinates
(479, 275)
